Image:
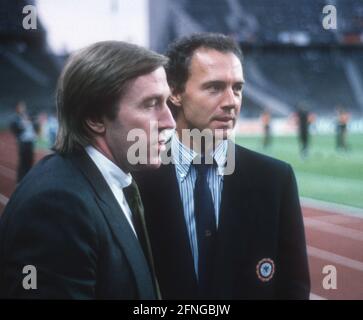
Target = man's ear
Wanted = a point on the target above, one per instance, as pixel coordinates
(176, 99)
(96, 126)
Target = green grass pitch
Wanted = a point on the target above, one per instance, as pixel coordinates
(325, 174)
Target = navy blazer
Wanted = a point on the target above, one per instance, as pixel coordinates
(64, 220)
(260, 221)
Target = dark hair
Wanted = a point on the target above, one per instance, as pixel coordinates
(181, 52)
(92, 84)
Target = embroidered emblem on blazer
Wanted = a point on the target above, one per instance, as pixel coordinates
(265, 269)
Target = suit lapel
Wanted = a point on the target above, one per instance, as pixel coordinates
(174, 218)
(118, 224)
(234, 231)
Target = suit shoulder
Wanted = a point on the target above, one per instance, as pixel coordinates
(54, 172)
(248, 156)
(53, 178)
(256, 165)
(52, 203)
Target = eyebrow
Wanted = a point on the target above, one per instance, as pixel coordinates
(219, 82)
(156, 96)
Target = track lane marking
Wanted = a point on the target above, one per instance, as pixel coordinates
(334, 229)
(3, 200)
(335, 258)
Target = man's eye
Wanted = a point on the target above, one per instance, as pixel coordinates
(152, 103)
(214, 88)
(237, 88)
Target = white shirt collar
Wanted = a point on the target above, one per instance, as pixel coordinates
(183, 156)
(110, 171)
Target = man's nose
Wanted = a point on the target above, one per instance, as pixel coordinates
(230, 99)
(166, 120)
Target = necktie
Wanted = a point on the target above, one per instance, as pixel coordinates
(133, 198)
(206, 228)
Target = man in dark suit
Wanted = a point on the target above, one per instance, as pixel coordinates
(74, 227)
(230, 228)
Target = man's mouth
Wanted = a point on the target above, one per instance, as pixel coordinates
(224, 119)
(164, 136)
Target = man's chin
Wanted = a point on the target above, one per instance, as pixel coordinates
(223, 134)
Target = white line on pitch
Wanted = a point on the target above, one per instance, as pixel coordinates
(314, 296)
(3, 200)
(9, 173)
(331, 207)
(335, 258)
(334, 229)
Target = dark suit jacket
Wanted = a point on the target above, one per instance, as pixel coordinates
(260, 218)
(64, 220)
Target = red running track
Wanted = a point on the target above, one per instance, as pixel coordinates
(334, 237)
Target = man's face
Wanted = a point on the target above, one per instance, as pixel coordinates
(213, 92)
(143, 102)
(20, 108)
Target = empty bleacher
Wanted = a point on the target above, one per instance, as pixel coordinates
(288, 56)
(316, 76)
(28, 70)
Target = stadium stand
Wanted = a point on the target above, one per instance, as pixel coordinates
(288, 56)
(322, 67)
(28, 70)
(314, 75)
(212, 15)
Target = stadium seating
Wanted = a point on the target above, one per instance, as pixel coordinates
(289, 56)
(314, 76)
(28, 71)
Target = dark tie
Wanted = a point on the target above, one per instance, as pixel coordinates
(206, 228)
(133, 198)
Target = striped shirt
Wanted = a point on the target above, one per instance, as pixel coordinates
(186, 175)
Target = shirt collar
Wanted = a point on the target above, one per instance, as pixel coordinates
(183, 156)
(110, 171)
(220, 156)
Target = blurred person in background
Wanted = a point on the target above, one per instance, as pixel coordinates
(23, 129)
(266, 123)
(52, 129)
(341, 129)
(304, 119)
